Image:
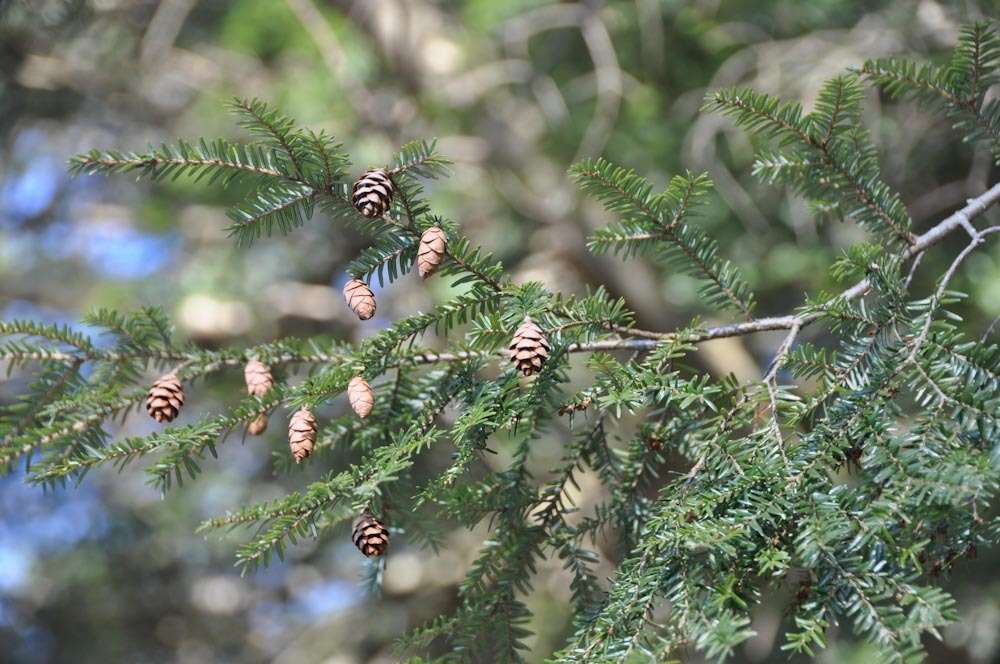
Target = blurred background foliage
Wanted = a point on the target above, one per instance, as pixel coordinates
(515, 91)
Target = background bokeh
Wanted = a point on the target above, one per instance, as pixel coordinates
(111, 571)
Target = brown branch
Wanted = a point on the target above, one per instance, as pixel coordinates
(959, 219)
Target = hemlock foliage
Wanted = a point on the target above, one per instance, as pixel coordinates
(894, 392)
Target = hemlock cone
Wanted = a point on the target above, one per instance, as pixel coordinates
(370, 536)
(431, 252)
(302, 434)
(359, 298)
(259, 380)
(165, 398)
(257, 425)
(372, 193)
(360, 396)
(529, 348)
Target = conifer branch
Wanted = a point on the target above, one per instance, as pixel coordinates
(213, 159)
(274, 127)
(852, 167)
(72, 367)
(17, 447)
(906, 400)
(973, 209)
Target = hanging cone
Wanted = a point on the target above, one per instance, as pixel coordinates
(372, 193)
(431, 251)
(259, 380)
(370, 536)
(165, 398)
(302, 434)
(529, 348)
(258, 425)
(360, 298)
(360, 394)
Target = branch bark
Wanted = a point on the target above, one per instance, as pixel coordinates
(959, 219)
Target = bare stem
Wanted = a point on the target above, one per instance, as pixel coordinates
(960, 219)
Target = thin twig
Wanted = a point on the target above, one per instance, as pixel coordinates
(913, 270)
(771, 381)
(989, 330)
(978, 237)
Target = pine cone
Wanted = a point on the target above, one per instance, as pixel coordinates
(258, 377)
(372, 193)
(259, 380)
(529, 348)
(360, 394)
(360, 298)
(302, 434)
(257, 425)
(370, 536)
(165, 398)
(431, 251)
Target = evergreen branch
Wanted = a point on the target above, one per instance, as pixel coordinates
(391, 256)
(61, 334)
(218, 160)
(475, 263)
(771, 381)
(459, 251)
(978, 237)
(617, 629)
(960, 87)
(296, 514)
(904, 78)
(647, 217)
(286, 208)
(851, 166)
(275, 354)
(420, 158)
(39, 401)
(19, 447)
(904, 401)
(327, 158)
(959, 219)
(278, 130)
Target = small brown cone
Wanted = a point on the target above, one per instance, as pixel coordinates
(302, 434)
(529, 348)
(360, 298)
(258, 425)
(431, 251)
(259, 380)
(165, 398)
(372, 193)
(360, 394)
(370, 536)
